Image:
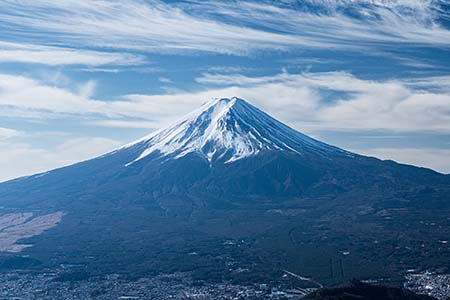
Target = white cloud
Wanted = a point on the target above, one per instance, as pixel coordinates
(87, 89)
(125, 124)
(27, 94)
(54, 56)
(437, 159)
(332, 101)
(100, 70)
(165, 80)
(21, 159)
(224, 27)
(6, 133)
(439, 83)
(360, 104)
(134, 24)
(376, 21)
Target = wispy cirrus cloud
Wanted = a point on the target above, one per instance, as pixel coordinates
(226, 27)
(55, 56)
(349, 22)
(131, 24)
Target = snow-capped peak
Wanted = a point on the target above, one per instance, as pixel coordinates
(226, 129)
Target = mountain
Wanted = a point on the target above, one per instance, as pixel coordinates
(229, 188)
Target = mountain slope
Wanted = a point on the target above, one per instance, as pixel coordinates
(226, 175)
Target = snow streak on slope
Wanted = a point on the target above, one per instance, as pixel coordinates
(228, 130)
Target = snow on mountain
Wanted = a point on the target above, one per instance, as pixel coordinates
(228, 130)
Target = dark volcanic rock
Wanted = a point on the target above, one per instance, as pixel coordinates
(357, 290)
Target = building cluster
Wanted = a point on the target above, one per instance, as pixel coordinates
(435, 285)
(47, 286)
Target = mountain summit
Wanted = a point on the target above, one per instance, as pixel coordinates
(227, 130)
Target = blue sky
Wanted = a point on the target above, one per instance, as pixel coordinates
(79, 78)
